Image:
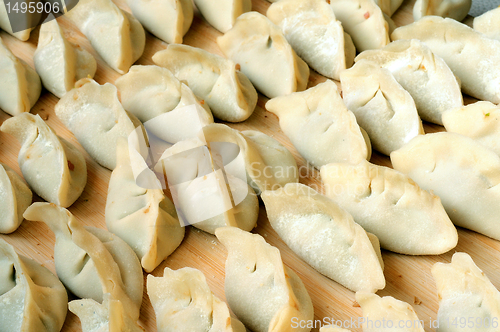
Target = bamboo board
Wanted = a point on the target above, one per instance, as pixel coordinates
(408, 278)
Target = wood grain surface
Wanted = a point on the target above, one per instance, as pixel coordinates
(408, 278)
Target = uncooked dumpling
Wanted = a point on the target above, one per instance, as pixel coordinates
(269, 165)
(455, 9)
(263, 293)
(480, 121)
(43, 152)
(15, 197)
(213, 79)
(325, 236)
(142, 217)
(206, 196)
(59, 63)
(110, 315)
(462, 172)
(168, 20)
(152, 93)
(382, 107)
(489, 23)
(423, 74)
(471, 56)
(93, 113)
(320, 126)
(465, 291)
(222, 14)
(385, 314)
(183, 303)
(364, 21)
(31, 297)
(20, 85)
(265, 56)
(91, 261)
(387, 203)
(114, 33)
(312, 30)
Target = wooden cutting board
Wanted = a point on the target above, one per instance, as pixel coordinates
(408, 278)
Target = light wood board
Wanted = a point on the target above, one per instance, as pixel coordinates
(408, 278)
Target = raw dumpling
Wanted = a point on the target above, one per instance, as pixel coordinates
(264, 55)
(59, 63)
(114, 33)
(405, 218)
(455, 9)
(213, 79)
(31, 297)
(44, 153)
(119, 310)
(382, 107)
(110, 315)
(423, 74)
(387, 314)
(389, 7)
(29, 20)
(263, 293)
(168, 20)
(202, 190)
(471, 56)
(325, 236)
(15, 197)
(183, 303)
(269, 165)
(20, 85)
(93, 113)
(206, 196)
(489, 23)
(320, 126)
(364, 21)
(312, 30)
(462, 172)
(222, 14)
(465, 291)
(152, 93)
(91, 261)
(480, 121)
(144, 218)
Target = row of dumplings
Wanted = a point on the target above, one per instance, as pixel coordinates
(370, 250)
(259, 52)
(263, 293)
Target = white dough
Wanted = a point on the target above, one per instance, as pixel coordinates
(405, 218)
(183, 302)
(314, 33)
(462, 172)
(213, 79)
(168, 20)
(15, 197)
(263, 293)
(222, 14)
(425, 75)
(115, 34)
(320, 126)
(63, 167)
(471, 56)
(382, 107)
(325, 236)
(59, 63)
(20, 85)
(265, 56)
